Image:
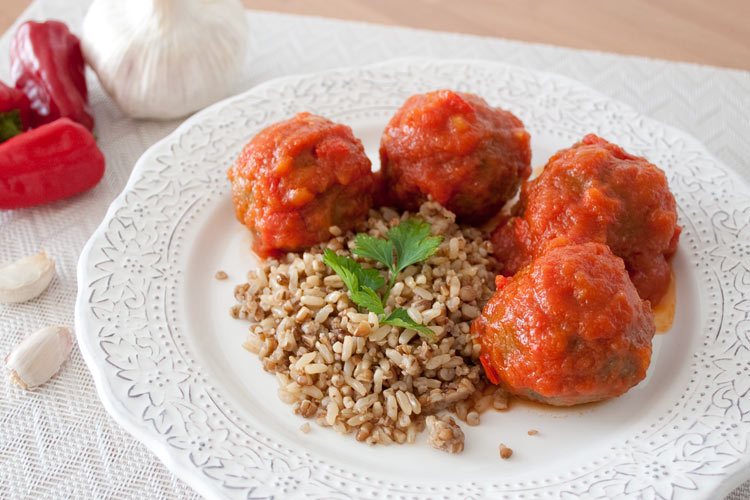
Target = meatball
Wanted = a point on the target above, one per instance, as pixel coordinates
(296, 179)
(597, 192)
(454, 147)
(569, 328)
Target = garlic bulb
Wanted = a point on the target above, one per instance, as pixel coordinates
(39, 356)
(165, 58)
(25, 278)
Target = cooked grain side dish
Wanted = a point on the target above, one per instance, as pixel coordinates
(337, 365)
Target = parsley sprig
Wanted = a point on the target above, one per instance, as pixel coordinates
(412, 243)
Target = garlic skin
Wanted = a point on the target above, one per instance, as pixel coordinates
(39, 356)
(165, 59)
(25, 278)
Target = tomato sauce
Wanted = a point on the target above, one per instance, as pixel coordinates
(597, 192)
(296, 179)
(455, 148)
(664, 311)
(569, 328)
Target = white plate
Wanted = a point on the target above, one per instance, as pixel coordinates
(154, 327)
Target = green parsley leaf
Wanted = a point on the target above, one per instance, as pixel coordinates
(10, 124)
(369, 278)
(413, 242)
(352, 273)
(400, 317)
(347, 268)
(375, 249)
(368, 299)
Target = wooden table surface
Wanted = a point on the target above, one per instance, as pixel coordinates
(703, 31)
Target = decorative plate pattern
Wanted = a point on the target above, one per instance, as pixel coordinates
(134, 276)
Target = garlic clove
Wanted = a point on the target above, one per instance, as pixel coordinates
(25, 278)
(39, 356)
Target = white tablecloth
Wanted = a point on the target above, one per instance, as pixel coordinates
(59, 442)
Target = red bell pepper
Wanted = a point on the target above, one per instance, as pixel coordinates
(47, 65)
(14, 112)
(48, 163)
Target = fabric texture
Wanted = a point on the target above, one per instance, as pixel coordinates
(59, 442)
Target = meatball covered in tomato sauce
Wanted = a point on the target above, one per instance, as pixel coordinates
(595, 191)
(454, 147)
(296, 179)
(569, 328)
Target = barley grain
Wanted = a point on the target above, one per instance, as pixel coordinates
(314, 368)
(338, 365)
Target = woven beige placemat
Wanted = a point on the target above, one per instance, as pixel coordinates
(59, 442)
